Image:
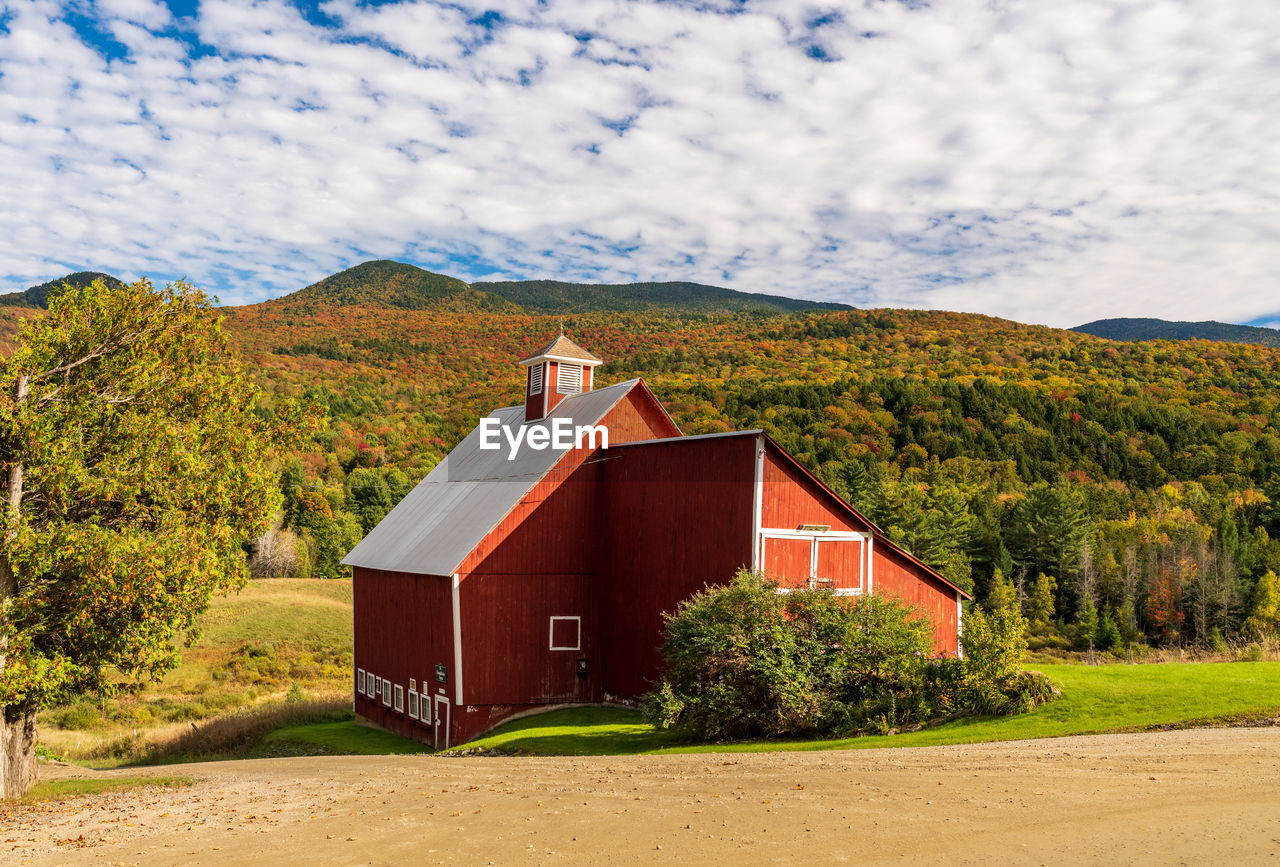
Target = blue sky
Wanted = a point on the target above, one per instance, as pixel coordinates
(1047, 162)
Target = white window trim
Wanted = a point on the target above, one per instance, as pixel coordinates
(815, 538)
(782, 533)
(386, 692)
(551, 638)
(424, 701)
(413, 704)
(360, 681)
(560, 386)
(399, 692)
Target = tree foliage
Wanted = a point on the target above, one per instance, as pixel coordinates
(137, 463)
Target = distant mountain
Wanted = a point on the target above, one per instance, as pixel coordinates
(38, 296)
(1163, 329)
(384, 283)
(552, 296)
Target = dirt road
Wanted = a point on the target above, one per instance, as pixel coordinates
(1193, 797)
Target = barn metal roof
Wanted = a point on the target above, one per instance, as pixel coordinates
(448, 513)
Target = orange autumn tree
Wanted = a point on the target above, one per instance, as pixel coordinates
(135, 465)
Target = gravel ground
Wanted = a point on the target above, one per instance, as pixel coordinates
(1182, 797)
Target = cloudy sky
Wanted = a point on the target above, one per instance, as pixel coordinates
(1052, 162)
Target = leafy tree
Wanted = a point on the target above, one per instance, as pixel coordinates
(368, 496)
(134, 468)
(994, 643)
(1264, 611)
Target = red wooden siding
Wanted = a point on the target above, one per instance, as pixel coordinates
(533, 403)
(787, 561)
(403, 629)
(677, 517)
(637, 417)
(791, 498)
(506, 630)
(895, 575)
(541, 560)
(840, 561)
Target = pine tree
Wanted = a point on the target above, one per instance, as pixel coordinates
(1087, 625)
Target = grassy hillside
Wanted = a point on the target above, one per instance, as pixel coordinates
(278, 640)
(1163, 329)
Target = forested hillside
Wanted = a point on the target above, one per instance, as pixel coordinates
(1124, 493)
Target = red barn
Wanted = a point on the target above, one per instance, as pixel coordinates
(532, 566)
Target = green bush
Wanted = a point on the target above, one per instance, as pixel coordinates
(746, 661)
(81, 715)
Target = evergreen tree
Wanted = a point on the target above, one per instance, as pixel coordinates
(1087, 625)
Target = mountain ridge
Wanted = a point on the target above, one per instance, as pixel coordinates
(399, 285)
(1126, 328)
(38, 296)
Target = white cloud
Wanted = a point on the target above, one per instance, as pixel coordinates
(1048, 162)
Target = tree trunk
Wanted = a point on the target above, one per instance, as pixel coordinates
(18, 770)
(17, 724)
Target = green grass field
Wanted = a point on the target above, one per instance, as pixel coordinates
(1096, 699)
(343, 738)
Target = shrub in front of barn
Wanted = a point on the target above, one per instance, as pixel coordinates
(745, 661)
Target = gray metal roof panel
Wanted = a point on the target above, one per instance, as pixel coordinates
(433, 529)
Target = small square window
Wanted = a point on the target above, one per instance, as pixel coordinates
(566, 633)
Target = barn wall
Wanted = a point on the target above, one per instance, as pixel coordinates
(636, 417)
(678, 516)
(506, 630)
(403, 628)
(895, 575)
(541, 561)
(791, 498)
